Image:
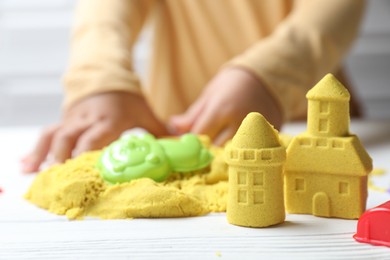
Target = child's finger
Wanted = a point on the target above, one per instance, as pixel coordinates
(184, 122)
(97, 136)
(225, 135)
(154, 126)
(209, 122)
(65, 139)
(32, 162)
(196, 108)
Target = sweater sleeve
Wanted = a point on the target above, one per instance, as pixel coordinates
(310, 42)
(101, 47)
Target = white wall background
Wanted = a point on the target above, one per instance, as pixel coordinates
(34, 36)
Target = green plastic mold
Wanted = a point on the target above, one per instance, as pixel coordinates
(133, 157)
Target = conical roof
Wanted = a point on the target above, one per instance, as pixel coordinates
(328, 88)
(255, 133)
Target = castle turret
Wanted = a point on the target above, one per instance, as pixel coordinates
(328, 108)
(255, 158)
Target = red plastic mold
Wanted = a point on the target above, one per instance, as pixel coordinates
(374, 226)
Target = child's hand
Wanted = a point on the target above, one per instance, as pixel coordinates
(227, 99)
(91, 124)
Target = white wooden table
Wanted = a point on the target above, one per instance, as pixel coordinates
(27, 232)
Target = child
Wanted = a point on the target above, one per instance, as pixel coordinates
(212, 63)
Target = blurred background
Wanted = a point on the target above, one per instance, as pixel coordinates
(34, 41)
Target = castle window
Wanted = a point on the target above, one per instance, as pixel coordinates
(266, 155)
(241, 178)
(234, 154)
(305, 142)
(249, 155)
(322, 143)
(258, 178)
(324, 107)
(242, 196)
(344, 188)
(258, 197)
(337, 144)
(299, 184)
(323, 126)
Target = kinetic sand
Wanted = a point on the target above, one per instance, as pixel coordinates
(327, 167)
(255, 158)
(76, 189)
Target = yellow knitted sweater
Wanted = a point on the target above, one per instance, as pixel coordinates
(289, 45)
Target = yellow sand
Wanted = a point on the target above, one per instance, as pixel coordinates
(75, 189)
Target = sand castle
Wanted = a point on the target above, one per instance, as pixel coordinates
(255, 158)
(326, 167)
